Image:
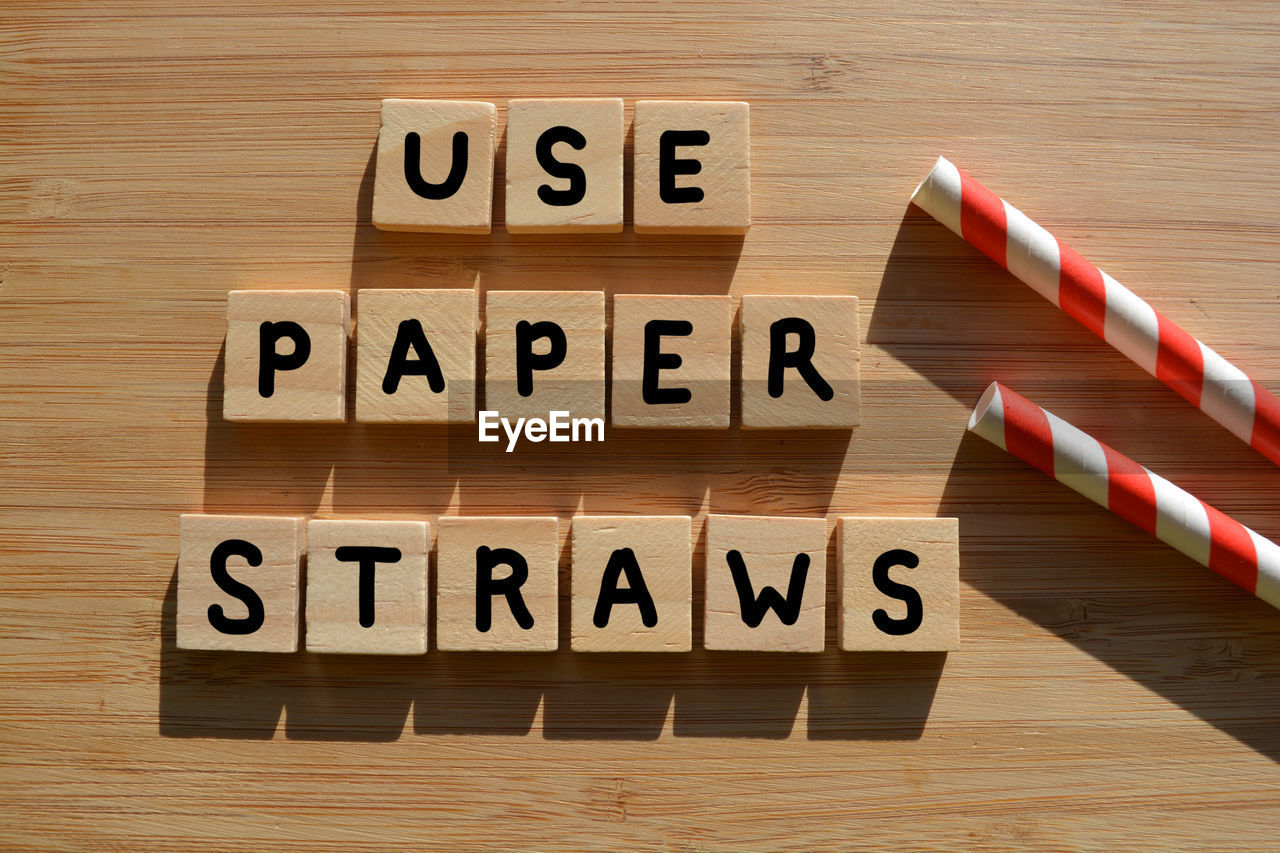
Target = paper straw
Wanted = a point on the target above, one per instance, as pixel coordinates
(1113, 480)
(1103, 305)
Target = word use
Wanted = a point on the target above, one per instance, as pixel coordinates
(240, 582)
(286, 357)
(564, 166)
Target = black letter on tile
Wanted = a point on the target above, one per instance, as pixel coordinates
(801, 358)
(527, 361)
(218, 568)
(487, 587)
(413, 168)
(269, 361)
(572, 172)
(893, 589)
(410, 335)
(367, 556)
(669, 165)
(623, 560)
(753, 608)
(655, 360)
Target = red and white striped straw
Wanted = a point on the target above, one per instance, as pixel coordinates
(1103, 305)
(1134, 493)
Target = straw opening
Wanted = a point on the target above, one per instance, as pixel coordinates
(984, 404)
(927, 178)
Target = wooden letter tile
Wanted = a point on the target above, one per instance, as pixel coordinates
(435, 166)
(564, 165)
(544, 351)
(899, 584)
(766, 584)
(409, 344)
(367, 587)
(632, 584)
(238, 582)
(687, 340)
(286, 356)
(692, 167)
(497, 582)
(799, 362)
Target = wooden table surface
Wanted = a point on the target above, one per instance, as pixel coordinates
(1110, 694)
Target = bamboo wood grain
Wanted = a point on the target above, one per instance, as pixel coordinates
(1109, 693)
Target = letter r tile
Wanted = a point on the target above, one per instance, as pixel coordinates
(497, 582)
(799, 362)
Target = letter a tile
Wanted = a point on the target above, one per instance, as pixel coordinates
(632, 583)
(410, 343)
